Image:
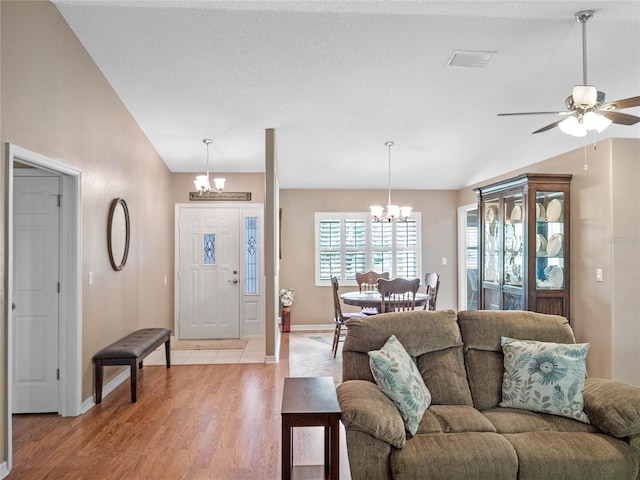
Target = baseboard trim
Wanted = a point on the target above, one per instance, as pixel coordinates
(114, 383)
(4, 469)
(315, 328)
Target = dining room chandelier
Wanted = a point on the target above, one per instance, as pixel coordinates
(202, 183)
(394, 213)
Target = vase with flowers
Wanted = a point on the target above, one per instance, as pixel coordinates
(286, 299)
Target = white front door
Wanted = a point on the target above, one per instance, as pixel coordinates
(35, 293)
(208, 273)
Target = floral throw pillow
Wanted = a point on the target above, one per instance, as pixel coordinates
(398, 377)
(544, 377)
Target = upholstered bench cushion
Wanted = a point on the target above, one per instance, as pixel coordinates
(135, 344)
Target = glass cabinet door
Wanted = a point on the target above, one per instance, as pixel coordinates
(513, 260)
(550, 241)
(492, 242)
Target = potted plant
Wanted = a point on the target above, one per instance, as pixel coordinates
(286, 299)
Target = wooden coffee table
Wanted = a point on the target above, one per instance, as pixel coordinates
(311, 402)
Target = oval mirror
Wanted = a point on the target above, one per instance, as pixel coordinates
(118, 232)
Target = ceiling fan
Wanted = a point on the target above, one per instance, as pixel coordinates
(586, 107)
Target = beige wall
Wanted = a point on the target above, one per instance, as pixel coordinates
(601, 200)
(313, 305)
(56, 102)
(624, 245)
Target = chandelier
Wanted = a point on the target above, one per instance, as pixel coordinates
(394, 212)
(202, 183)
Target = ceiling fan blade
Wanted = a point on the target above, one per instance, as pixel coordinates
(621, 118)
(624, 103)
(533, 113)
(548, 127)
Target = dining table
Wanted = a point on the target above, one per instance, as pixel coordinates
(372, 299)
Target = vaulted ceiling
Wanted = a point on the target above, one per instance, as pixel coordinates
(337, 79)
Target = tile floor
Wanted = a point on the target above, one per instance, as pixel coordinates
(309, 355)
(254, 352)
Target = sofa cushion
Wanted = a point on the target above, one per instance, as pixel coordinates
(573, 456)
(481, 331)
(544, 377)
(445, 377)
(398, 377)
(453, 419)
(509, 420)
(431, 337)
(455, 456)
(367, 409)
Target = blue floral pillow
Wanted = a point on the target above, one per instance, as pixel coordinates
(544, 377)
(398, 377)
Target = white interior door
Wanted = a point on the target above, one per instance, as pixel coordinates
(35, 294)
(208, 273)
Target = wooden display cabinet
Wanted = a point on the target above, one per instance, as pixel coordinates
(525, 244)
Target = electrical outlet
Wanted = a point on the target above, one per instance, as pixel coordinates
(598, 274)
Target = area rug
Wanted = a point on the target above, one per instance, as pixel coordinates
(224, 344)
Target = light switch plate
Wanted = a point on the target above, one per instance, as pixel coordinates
(598, 274)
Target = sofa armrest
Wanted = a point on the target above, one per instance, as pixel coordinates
(367, 409)
(613, 407)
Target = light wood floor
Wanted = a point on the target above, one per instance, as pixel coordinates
(190, 422)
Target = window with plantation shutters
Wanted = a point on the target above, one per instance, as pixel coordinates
(348, 243)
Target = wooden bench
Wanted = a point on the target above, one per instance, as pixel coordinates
(131, 350)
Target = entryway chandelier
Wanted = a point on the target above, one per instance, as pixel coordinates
(394, 212)
(202, 183)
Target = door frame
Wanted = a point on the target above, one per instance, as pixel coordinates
(248, 210)
(70, 305)
(462, 253)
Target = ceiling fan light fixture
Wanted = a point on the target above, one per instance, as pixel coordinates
(572, 126)
(584, 96)
(594, 121)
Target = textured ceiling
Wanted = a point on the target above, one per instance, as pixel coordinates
(337, 79)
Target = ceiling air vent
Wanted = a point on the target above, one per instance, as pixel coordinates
(468, 58)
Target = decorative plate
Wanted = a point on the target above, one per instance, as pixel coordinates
(556, 277)
(554, 210)
(554, 245)
(541, 243)
(492, 214)
(516, 214)
(540, 212)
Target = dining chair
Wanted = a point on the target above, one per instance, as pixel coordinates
(432, 281)
(339, 317)
(368, 282)
(398, 294)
